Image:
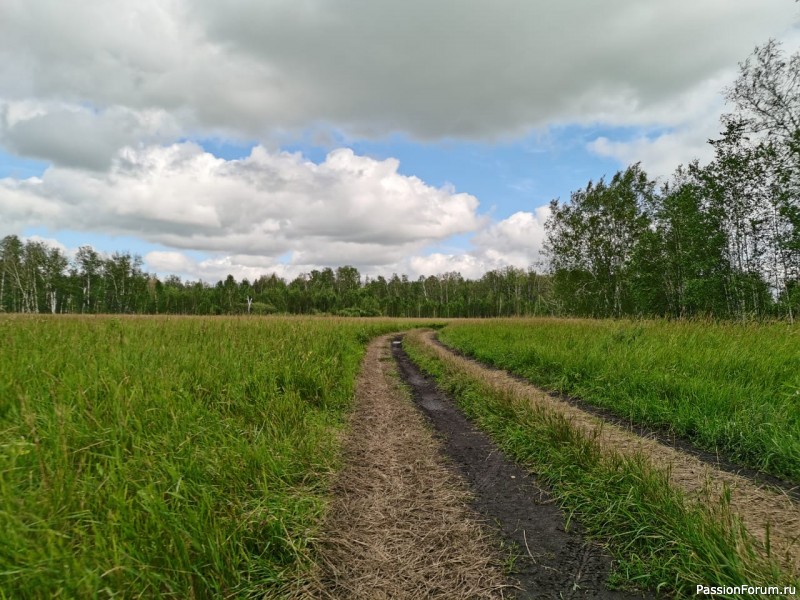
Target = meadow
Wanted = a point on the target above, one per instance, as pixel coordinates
(191, 457)
(729, 388)
(170, 457)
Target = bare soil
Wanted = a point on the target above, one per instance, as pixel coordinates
(769, 514)
(552, 562)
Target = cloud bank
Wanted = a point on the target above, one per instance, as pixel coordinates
(346, 208)
(103, 76)
(270, 212)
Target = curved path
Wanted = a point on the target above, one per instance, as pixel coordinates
(771, 516)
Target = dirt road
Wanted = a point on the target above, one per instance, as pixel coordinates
(400, 525)
(432, 509)
(552, 562)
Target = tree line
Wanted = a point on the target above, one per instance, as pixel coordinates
(721, 239)
(35, 278)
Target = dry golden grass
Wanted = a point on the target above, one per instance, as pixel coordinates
(399, 525)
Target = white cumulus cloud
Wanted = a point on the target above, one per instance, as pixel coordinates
(515, 241)
(348, 209)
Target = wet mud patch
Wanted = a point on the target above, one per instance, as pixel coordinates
(552, 562)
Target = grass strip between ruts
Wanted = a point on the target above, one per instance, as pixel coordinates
(659, 540)
(729, 388)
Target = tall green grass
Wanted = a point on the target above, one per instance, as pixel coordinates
(659, 540)
(167, 457)
(729, 388)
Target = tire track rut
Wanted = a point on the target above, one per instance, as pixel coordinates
(399, 525)
(552, 562)
(771, 516)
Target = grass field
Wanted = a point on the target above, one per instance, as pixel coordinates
(729, 388)
(191, 457)
(172, 457)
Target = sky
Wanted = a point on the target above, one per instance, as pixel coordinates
(256, 136)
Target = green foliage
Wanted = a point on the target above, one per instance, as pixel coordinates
(729, 388)
(591, 241)
(35, 279)
(679, 267)
(719, 240)
(167, 457)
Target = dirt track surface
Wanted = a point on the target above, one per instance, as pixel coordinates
(400, 525)
(552, 562)
(766, 514)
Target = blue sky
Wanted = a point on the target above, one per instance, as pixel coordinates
(507, 176)
(290, 136)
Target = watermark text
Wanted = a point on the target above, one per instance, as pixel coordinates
(751, 590)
